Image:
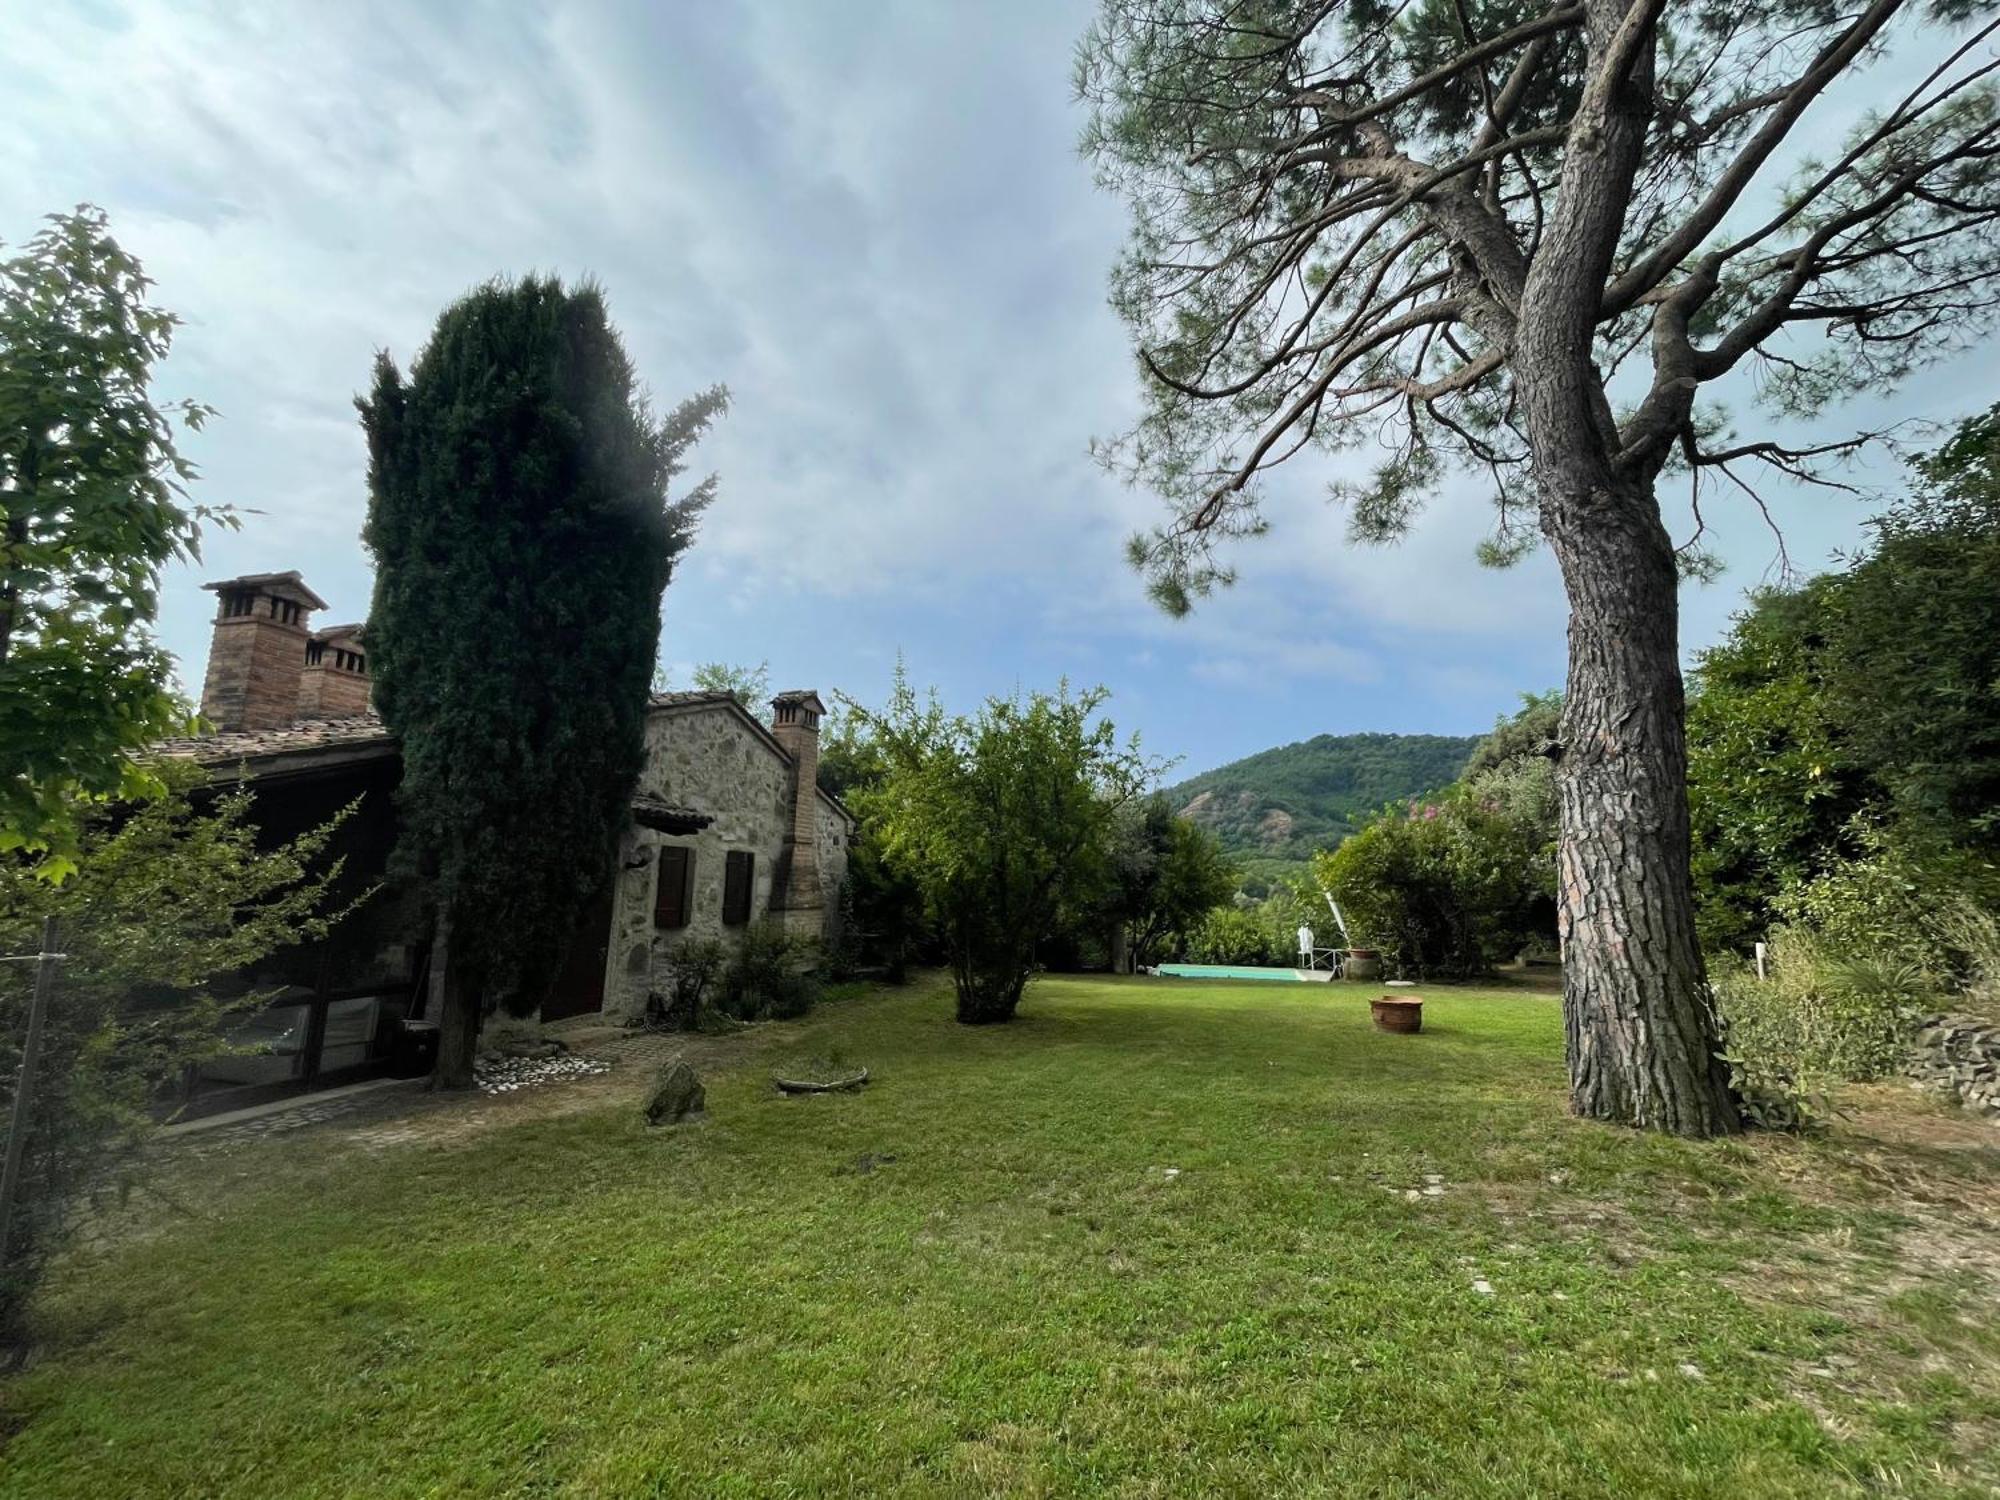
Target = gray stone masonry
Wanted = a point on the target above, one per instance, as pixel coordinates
(1960, 1056)
(709, 755)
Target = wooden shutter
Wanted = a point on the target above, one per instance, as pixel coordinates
(673, 900)
(738, 873)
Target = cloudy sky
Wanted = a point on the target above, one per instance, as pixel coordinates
(870, 222)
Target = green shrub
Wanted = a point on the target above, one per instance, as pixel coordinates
(1973, 932)
(772, 975)
(1816, 1021)
(1445, 888)
(697, 966)
(1896, 902)
(171, 901)
(1239, 935)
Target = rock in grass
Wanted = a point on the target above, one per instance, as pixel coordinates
(677, 1095)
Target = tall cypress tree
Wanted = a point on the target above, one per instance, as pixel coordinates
(523, 534)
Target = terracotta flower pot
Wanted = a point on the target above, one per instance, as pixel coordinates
(1363, 963)
(1399, 1012)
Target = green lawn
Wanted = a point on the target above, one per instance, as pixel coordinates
(1025, 1300)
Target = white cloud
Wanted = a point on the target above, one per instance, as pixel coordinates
(880, 236)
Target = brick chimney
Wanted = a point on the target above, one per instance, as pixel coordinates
(258, 650)
(334, 684)
(796, 895)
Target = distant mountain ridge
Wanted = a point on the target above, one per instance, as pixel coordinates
(1283, 804)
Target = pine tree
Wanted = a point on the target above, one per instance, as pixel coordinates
(1527, 242)
(523, 535)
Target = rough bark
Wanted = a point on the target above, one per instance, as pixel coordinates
(984, 1001)
(1643, 1042)
(1642, 1038)
(458, 1030)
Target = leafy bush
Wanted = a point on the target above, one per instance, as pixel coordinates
(1002, 820)
(1896, 902)
(1974, 932)
(167, 900)
(1818, 1020)
(772, 975)
(1240, 935)
(1445, 888)
(695, 967)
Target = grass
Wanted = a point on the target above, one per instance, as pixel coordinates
(1152, 1239)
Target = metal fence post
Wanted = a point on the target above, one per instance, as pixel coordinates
(17, 1127)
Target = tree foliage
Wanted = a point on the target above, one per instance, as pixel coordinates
(999, 819)
(1353, 217)
(1855, 719)
(93, 503)
(1165, 875)
(1529, 732)
(168, 899)
(1457, 229)
(523, 534)
(749, 686)
(1446, 887)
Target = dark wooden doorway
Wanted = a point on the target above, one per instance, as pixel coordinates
(579, 988)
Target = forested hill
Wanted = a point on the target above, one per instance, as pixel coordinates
(1285, 803)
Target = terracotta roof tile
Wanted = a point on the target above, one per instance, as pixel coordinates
(249, 744)
(690, 700)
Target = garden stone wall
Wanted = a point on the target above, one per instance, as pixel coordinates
(1960, 1056)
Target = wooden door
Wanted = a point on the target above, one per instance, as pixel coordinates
(579, 988)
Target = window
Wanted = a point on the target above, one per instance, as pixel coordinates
(673, 898)
(738, 878)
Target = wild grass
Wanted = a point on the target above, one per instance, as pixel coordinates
(1155, 1238)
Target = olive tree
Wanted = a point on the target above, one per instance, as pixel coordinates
(1520, 239)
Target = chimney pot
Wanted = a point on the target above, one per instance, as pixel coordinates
(334, 683)
(257, 651)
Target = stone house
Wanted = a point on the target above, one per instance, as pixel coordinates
(728, 827)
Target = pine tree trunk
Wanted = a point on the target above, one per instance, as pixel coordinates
(1643, 1041)
(458, 1029)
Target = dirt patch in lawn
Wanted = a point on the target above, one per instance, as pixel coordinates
(446, 1121)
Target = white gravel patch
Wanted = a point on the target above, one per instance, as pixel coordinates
(507, 1075)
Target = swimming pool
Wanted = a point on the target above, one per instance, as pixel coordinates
(1234, 971)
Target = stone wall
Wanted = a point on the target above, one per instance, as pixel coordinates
(836, 835)
(708, 758)
(1960, 1056)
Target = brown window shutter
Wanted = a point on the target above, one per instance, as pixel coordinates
(672, 901)
(738, 881)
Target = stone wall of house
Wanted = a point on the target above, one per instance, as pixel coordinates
(1960, 1056)
(835, 836)
(705, 757)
